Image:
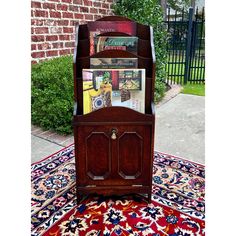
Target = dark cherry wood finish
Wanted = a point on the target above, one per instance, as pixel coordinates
(114, 145)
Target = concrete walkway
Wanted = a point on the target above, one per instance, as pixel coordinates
(180, 130)
(180, 127)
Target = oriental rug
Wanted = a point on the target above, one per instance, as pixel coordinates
(177, 206)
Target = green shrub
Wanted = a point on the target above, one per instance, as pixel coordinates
(52, 94)
(149, 12)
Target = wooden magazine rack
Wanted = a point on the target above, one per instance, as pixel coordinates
(114, 145)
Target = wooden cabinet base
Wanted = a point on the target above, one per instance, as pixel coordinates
(143, 191)
(114, 151)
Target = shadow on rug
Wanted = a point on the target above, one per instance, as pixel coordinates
(177, 206)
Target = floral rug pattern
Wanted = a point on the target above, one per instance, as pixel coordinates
(177, 206)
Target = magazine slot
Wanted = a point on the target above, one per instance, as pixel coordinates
(142, 48)
(116, 34)
(142, 31)
(114, 54)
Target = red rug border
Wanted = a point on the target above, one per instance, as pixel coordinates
(181, 158)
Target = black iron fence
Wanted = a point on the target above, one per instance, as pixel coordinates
(186, 47)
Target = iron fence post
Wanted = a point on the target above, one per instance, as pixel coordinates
(188, 45)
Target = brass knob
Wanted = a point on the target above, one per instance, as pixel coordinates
(113, 134)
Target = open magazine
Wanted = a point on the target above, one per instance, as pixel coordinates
(113, 87)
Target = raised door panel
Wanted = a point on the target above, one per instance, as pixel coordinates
(98, 156)
(94, 160)
(130, 155)
(133, 154)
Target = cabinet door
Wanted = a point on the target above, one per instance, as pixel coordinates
(94, 155)
(114, 154)
(133, 149)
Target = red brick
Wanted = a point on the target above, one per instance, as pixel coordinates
(50, 22)
(33, 62)
(73, 8)
(78, 16)
(37, 22)
(55, 30)
(41, 30)
(93, 10)
(102, 11)
(47, 5)
(78, 2)
(88, 17)
(74, 22)
(64, 37)
(63, 22)
(35, 4)
(40, 13)
(37, 54)
(32, 30)
(62, 7)
(97, 17)
(97, 4)
(69, 44)
(67, 15)
(51, 38)
(37, 38)
(84, 9)
(55, 14)
(105, 5)
(32, 13)
(33, 47)
(68, 29)
(64, 52)
(87, 3)
(51, 53)
(57, 45)
(68, 1)
(44, 46)
(72, 50)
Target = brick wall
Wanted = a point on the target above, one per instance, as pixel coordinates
(52, 24)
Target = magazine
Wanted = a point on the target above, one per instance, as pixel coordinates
(113, 63)
(113, 87)
(98, 27)
(102, 43)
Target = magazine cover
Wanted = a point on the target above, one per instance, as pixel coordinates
(113, 87)
(102, 43)
(113, 63)
(98, 27)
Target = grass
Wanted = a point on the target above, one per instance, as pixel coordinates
(179, 69)
(194, 89)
